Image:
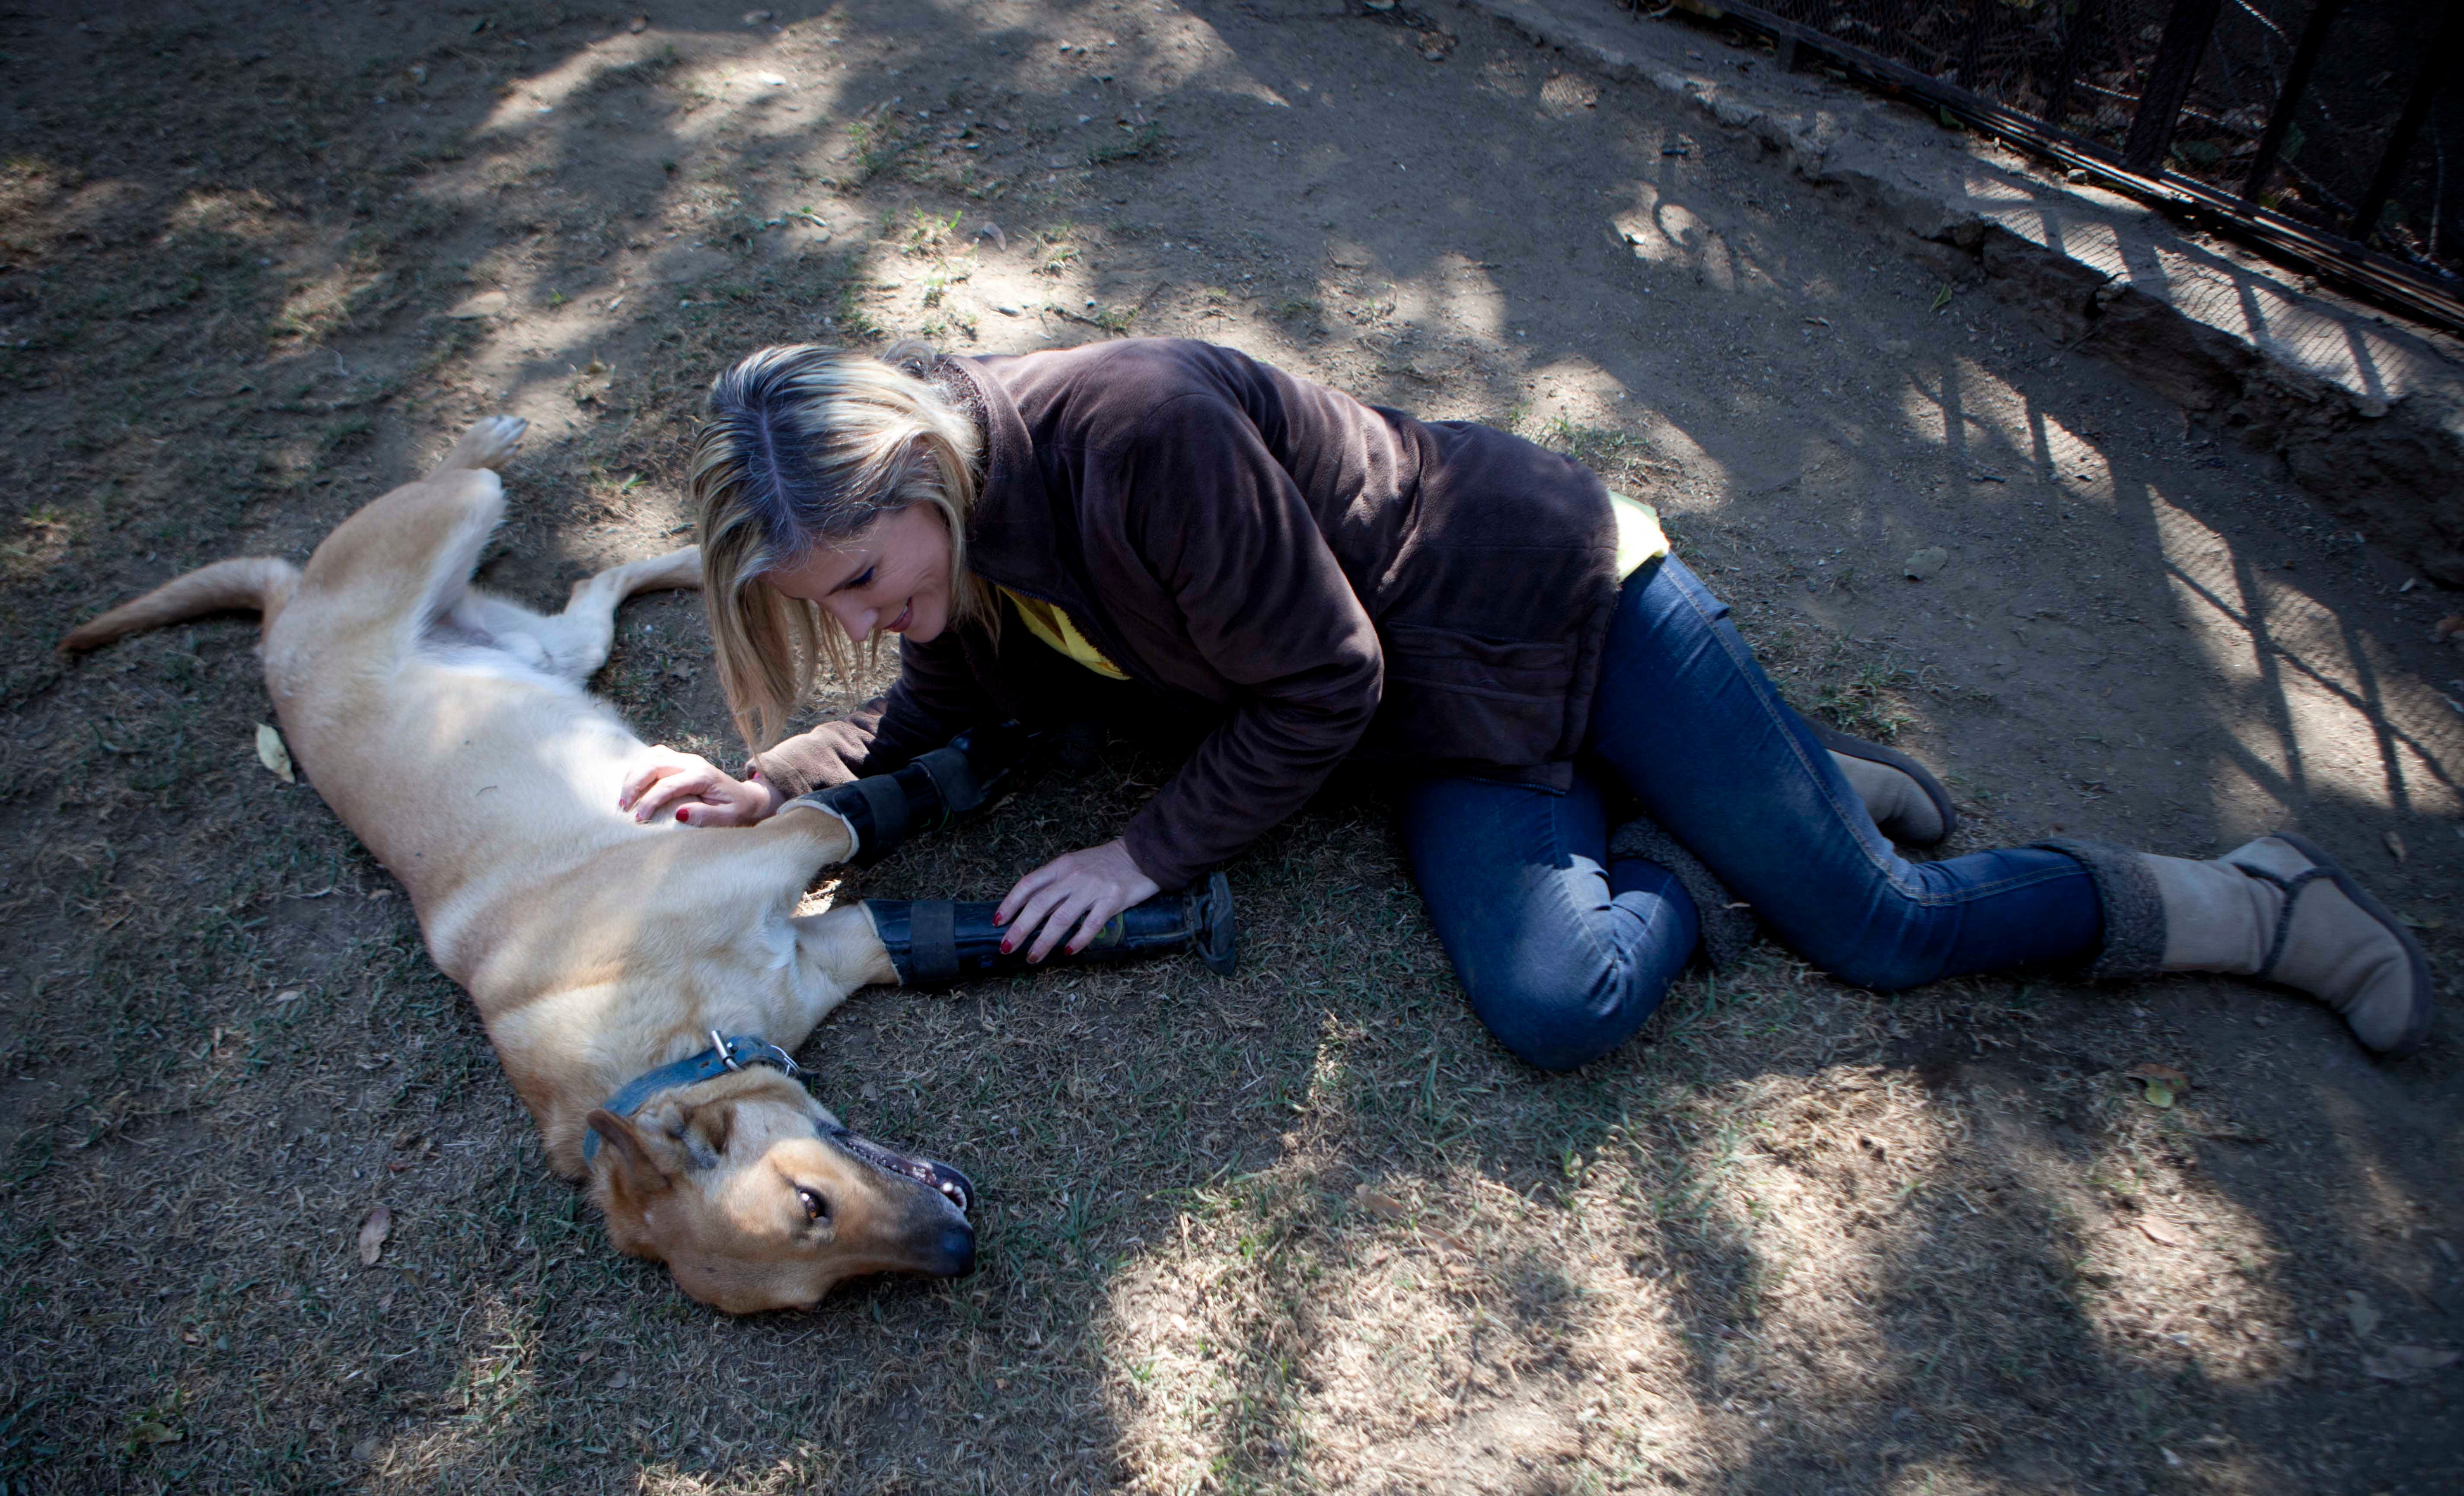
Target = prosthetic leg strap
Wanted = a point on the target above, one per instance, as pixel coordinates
(887, 803)
(932, 940)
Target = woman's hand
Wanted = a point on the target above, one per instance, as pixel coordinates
(1071, 897)
(702, 794)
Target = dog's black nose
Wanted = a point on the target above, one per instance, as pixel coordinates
(958, 1252)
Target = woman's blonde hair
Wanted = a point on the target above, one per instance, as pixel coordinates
(805, 447)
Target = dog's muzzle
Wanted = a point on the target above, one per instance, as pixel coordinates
(931, 1172)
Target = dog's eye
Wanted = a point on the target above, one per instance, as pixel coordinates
(814, 1207)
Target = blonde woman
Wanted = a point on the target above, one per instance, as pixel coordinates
(1166, 527)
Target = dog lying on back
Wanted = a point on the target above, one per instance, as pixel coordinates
(452, 733)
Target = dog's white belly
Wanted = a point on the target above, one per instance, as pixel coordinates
(491, 776)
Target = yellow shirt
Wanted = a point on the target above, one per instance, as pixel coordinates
(1639, 539)
(1059, 630)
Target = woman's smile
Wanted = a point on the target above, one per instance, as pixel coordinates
(892, 577)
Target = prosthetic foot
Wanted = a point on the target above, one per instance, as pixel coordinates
(933, 942)
(932, 790)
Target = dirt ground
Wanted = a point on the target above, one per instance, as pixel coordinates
(1302, 1229)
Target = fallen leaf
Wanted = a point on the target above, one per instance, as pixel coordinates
(373, 1232)
(146, 1431)
(993, 232)
(2361, 1312)
(2163, 1232)
(2449, 627)
(1380, 1203)
(365, 1450)
(2417, 922)
(2162, 1081)
(638, 25)
(271, 753)
(1926, 562)
(2407, 1363)
(593, 381)
(2394, 845)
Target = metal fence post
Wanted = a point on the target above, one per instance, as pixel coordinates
(2434, 72)
(2075, 30)
(2297, 78)
(2169, 83)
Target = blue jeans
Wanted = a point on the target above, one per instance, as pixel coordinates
(1564, 953)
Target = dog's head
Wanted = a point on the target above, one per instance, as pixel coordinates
(756, 1198)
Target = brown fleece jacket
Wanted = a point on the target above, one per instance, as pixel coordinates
(1315, 578)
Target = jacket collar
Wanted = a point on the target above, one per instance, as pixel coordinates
(1019, 536)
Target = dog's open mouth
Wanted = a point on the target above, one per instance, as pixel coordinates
(931, 1172)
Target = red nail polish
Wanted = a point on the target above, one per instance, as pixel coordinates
(1006, 948)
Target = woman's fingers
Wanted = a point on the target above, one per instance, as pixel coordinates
(1075, 902)
(709, 813)
(1069, 898)
(1024, 890)
(640, 778)
(1029, 922)
(683, 785)
(1098, 913)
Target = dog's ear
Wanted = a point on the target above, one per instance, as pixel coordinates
(635, 1171)
(707, 1128)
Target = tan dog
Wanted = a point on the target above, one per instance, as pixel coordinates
(451, 731)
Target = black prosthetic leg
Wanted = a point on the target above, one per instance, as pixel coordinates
(932, 790)
(933, 942)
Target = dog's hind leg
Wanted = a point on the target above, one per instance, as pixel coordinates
(574, 644)
(489, 443)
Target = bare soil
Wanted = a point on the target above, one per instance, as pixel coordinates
(1305, 1228)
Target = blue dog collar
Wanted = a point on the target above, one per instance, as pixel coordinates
(731, 1053)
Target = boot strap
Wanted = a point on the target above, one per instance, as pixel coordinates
(932, 940)
(2292, 889)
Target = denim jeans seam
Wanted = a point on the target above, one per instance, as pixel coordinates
(1770, 709)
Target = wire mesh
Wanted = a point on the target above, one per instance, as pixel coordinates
(2084, 66)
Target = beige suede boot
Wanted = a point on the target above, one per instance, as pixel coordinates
(1907, 804)
(2278, 909)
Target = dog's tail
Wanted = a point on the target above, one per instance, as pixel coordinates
(259, 582)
